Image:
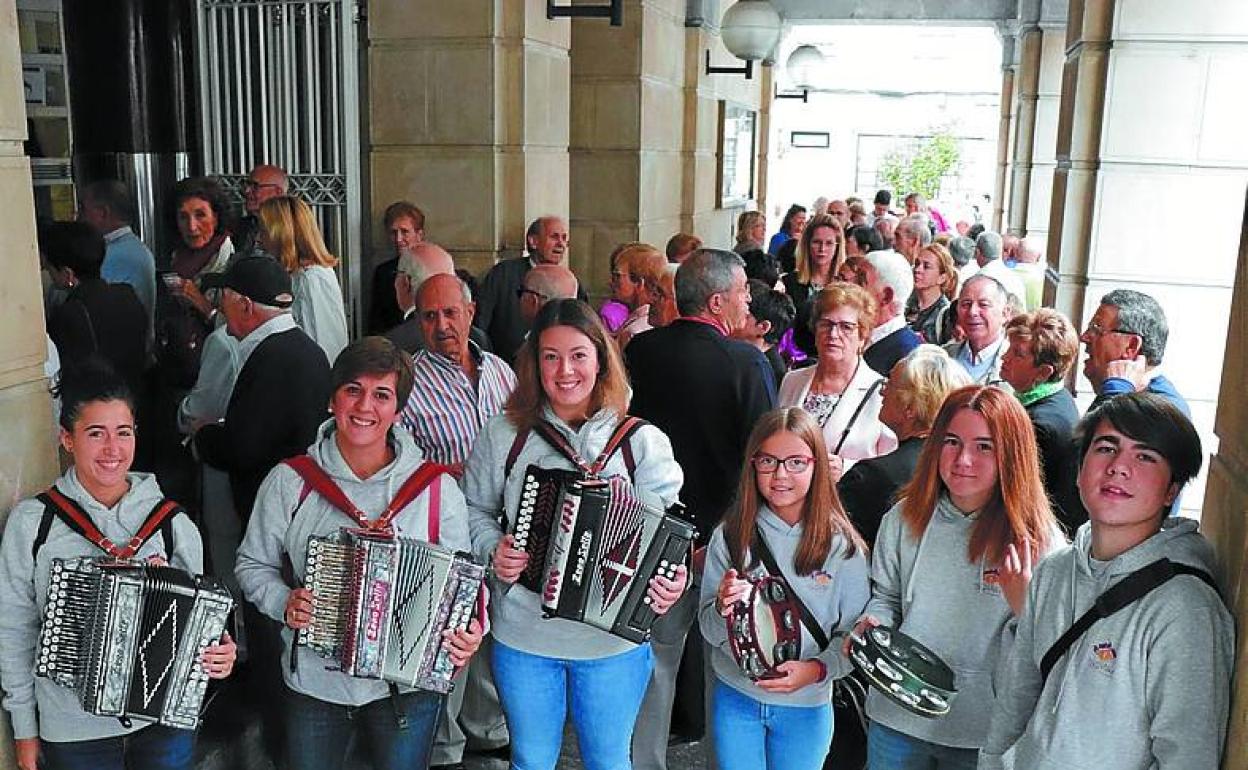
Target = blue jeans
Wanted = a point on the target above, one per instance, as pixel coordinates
(318, 732)
(888, 749)
(603, 695)
(153, 748)
(750, 735)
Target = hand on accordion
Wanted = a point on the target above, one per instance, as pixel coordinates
(663, 593)
(217, 661)
(508, 562)
(298, 609)
(462, 644)
(732, 589)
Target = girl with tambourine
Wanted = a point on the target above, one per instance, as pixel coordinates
(99, 497)
(570, 379)
(789, 524)
(950, 569)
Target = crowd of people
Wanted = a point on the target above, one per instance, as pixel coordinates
(871, 407)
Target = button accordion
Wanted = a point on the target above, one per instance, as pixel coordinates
(594, 547)
(381, 603)
(127, 637)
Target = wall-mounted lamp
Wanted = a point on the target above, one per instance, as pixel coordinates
(804, 95)
(747, 69)
(750, 30)
(804, 67)
(613, 11)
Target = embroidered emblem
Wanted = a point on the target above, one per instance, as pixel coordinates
(820, 577)
(1104, 657)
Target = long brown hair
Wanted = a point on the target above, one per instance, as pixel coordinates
(1019, 508)
(805, 273)
(822, 515)
(524, 407)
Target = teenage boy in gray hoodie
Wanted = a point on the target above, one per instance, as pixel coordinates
(1149, 685)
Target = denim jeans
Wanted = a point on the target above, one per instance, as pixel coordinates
(603, 696)
(318, 732)
(888, 749)
(750, 735)
(153, 748)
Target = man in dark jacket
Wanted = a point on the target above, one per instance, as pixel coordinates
(282, 390)
(705, 391)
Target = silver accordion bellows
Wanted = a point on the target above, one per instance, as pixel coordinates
(381, 604)
(127, 637)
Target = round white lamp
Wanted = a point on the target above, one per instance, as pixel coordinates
(804, 67)
(750, 29)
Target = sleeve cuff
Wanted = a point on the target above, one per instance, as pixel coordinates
(25, 723)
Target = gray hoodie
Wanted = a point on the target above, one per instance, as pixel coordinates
(515, 611)
(928, 589)
(274, 533)
(37, 706)
(1147, 687)
(835, 594)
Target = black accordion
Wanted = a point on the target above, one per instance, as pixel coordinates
(593, 548)
(127, 637)
(381, 603)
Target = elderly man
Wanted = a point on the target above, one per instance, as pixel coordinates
(705, 391)
(962, 249)
(264, 182)
(105, 206)
(1029, 267)
(498, 306)
(405, 227)
(988, 247)
(912, 234)
(1125, 342)
(456, 388)
(983, 308)
(890, 279)
(414, 265)
(542, 284)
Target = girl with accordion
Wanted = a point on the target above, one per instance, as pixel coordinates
(787, 524)
(571, 378)
(97, 498)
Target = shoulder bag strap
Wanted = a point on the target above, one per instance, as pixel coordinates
(853, 418)
(1125, 592)
(769, 563)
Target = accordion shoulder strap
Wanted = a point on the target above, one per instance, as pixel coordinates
(315, 477)
(513, 454)
(618, 439)
(58, 505)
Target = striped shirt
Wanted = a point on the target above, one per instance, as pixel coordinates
(446, 411)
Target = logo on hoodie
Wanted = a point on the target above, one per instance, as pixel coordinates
(1104, 657)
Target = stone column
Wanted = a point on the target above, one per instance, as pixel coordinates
(468, 119)
(28, 460)
(1225, 521)
(1045, 105)
(1025, 88)
(1001, 191)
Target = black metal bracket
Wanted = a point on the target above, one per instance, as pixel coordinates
(614, 11)
(804, 95)
(747, 70)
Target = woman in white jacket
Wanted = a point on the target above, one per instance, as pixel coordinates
(841, 391)
(363, 453)
(571, 377)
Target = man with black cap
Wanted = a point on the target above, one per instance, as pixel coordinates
(282, 390)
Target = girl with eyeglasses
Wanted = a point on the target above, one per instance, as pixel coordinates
(787, 507)
(950, 569)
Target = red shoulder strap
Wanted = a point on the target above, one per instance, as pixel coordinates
(72, 515)
(421, 478)
(321, 483)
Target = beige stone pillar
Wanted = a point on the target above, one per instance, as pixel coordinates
(1045, 107)
(27, 456)
(468, 119)
(1026, 81)
(1225, 520)
(1001, 189)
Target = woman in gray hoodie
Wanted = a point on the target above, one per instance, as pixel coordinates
(97, 430)
(787, 502)
(569, 375)
(363, 453)
(950, 569)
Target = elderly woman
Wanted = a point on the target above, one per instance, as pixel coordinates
(289, 232)
(1043, 347)
(913, 394)
(641, 266)
(820, 253)
(571, 382)
(935, 281)
(663, 308)
(751, 231)
(204, 219)
(841, 392)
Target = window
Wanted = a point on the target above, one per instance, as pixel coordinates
(737, 134)
(818, 140)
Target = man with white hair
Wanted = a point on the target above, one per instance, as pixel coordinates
(912, 234)
(983, 307)
(542, 284)
(988, 247)
(890, 279)
(416, 265)
(1029, 267)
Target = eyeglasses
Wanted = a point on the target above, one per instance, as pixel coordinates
(765, 463)
(251, 185)
(522, 291)
(1096, 330)
(846, 328)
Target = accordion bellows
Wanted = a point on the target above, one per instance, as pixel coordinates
(380, 605)
(127, 637)
(597, 546)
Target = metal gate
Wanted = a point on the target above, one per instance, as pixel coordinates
(279, 84)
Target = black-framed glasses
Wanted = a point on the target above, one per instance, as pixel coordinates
(765, 463)
(523, 290)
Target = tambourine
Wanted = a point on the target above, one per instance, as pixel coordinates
(905, 671)
(765, 630)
